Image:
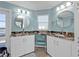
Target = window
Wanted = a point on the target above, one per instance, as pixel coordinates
(2, 24)
(43, 22)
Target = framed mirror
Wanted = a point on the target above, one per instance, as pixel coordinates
(22, 22)
(65, 18)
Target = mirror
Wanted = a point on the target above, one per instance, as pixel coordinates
(22, 22)
(26, 22)
(65, 18)
(19, 22)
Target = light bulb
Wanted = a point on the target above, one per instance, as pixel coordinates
(23, 11)
(58, 8)
(68, 3)
(19, 10)
(28, 13)
(62, 6)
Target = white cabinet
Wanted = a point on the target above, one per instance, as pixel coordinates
(22, 45)
(56, 46)
(49, 45)
(66, 47)
(59, 47)
(29, 44)
(16, 46)
(63, 48)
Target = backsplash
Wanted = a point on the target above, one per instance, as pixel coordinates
(65, 35)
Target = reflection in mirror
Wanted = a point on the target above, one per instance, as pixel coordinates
(26, 22)
(19, 22)
(22, 22)
(2, 24)
(65, 19)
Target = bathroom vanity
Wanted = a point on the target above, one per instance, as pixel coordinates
(59, 46)
(22, 44)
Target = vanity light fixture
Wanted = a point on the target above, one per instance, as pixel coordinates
(20, 11)
(68, 3)
(64, 5)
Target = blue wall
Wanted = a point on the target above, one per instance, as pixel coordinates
(43, 12)
(52, 26)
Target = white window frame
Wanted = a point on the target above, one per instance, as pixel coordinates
(44, 19)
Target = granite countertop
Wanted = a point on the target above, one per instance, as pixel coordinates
(53, 35)
(62, 36)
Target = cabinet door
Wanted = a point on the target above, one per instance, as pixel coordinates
(66, 47)
(31, 43)
(53, 46)
(56, 46)
(50, 45)
(25, 46)
(16, 46)
(59, 47)
(28, 44)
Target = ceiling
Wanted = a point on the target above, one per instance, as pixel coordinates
(36, 5)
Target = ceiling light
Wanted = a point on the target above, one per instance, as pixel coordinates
(68, 3)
